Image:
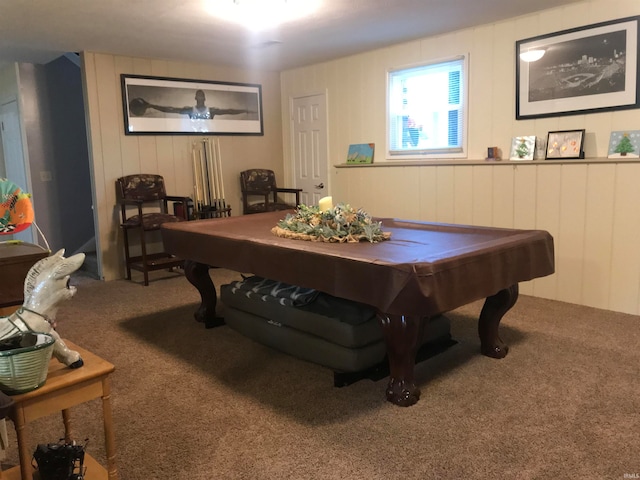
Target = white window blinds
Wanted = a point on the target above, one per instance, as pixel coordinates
(426, 108)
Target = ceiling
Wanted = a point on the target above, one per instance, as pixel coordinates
(38, 31)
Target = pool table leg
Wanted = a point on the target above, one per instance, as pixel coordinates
(492, 312)
(198, 276)
(401, 335)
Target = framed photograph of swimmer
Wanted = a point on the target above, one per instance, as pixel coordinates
(582, 70)
(173, 106)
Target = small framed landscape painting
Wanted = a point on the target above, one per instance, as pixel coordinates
(624, 144)
(565, 144)
(522, 148)
(360, 153)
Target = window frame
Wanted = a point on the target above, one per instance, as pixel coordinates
(430, 154)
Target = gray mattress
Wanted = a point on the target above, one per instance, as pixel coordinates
(304, 345)
(336, 333)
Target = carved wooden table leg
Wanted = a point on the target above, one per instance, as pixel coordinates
(401, 335)
(24, 452)
(68, 428)
(109, 435)
(492, 312)
(198, 276)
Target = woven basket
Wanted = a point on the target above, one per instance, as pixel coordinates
(24, 368)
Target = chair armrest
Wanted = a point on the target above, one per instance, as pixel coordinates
(184, 201)
(288, 190)
(126, 201)
(123, 202)
(177, 198)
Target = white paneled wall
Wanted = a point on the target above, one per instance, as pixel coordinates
(115, 154)
(591, 208)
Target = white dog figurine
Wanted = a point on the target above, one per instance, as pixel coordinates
(46, 285)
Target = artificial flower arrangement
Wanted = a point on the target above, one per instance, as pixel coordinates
(341, 223)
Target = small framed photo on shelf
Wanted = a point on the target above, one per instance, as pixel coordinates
(493, 153)
(541, 148)
(360, 153)
(624, 144)
(522, 148)
(565, 144)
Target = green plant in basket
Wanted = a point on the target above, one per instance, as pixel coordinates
(341, 223)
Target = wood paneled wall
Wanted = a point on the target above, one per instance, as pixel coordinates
(591, 209)
(115, 154)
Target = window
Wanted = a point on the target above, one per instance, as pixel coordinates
(426, 110)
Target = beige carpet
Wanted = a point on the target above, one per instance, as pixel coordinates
(191, 403)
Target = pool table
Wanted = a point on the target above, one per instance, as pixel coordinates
(425, 269)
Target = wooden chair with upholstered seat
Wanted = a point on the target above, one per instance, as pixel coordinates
(261, 182)
(144, 208)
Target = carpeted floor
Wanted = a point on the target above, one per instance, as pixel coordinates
(191, 403)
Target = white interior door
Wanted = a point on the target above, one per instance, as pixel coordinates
(310, 162)
(14, 161)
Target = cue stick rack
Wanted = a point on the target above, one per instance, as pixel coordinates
(208, 186)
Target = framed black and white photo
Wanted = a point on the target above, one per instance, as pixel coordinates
(565, 144)
(582, 70)
(173, 106)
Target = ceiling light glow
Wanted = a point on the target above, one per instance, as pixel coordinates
(532, 55)
(261, 14)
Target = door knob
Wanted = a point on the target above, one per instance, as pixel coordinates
(321, 186)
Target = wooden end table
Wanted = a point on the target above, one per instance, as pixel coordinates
(65, 388)
(15, 261)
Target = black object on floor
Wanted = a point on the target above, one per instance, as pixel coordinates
(381, 370)
(6, 402)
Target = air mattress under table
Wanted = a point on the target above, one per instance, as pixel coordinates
(340, 334)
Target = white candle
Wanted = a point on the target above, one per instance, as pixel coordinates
(325, 203)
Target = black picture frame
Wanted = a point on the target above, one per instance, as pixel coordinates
(583, 70)
(565, 144)
(169, 106)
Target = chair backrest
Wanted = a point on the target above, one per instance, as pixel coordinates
(142, 186)
(257, 180)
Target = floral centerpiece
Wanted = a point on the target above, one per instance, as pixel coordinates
(341, 223)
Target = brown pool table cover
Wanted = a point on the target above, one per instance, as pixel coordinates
(425, 269)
